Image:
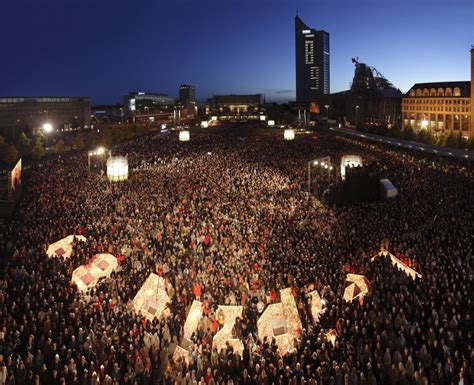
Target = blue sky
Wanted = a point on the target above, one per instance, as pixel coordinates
(104, 48)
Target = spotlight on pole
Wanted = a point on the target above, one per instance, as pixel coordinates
(47, 128)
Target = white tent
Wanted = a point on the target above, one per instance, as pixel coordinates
(389, 190)
(152, 298)
(63, 247)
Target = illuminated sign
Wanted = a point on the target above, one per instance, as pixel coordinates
(132, 104)
(306, 31)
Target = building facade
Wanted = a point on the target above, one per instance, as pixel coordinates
(30, 113)
(147, 105)
(441, 106)
(187, 95)
(312, 63)
(234, 106)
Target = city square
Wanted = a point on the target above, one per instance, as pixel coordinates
(241, 232)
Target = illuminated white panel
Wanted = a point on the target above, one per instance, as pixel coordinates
(117, 168)
(214, 118)
(349, 161)
(263, 118)
(271, 123)
(289, 134)
(305, 31)
(184, 136)
(204, 124)
(132, 105)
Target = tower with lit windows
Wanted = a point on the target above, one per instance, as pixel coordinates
(312, 62)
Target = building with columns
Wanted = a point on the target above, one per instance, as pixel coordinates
(441, 106)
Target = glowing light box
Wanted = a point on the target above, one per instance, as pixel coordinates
(117, 168)
(184, 136)
(289, 134)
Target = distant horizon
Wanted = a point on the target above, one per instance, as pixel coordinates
(87, 48)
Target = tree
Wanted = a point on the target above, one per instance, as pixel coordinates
(408, 133)
(395, 131)
(78, 141)
(59, 146)
(441, 139)
(197, 120)
(460, 140)
(425, 136)
(24, 145)
(8, 153)
(38, 151)
(105, 137)
(470, 143)
(451, 140)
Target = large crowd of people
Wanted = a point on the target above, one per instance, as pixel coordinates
(226, 219)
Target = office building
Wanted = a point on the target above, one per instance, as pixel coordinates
(441, 106)
(143, 103)
(187, 95)
(312, 63)
(30, 113)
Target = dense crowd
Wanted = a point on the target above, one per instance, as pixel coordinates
(226, 219)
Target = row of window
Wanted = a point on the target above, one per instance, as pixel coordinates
(436, 92)
(435, 101)
(430, 108)
(40, 100)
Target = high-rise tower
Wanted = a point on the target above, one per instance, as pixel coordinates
(312, 62)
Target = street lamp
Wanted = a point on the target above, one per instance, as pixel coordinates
(47, 127)
(327, 114)
(357, 110)
(99, 152)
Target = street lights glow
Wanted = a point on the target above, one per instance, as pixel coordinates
(47, 128)
(424, 123)
(327, 113)
(100, 151)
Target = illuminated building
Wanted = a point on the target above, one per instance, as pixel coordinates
(145, 105)
(26, 112)
(236, 106)
(441, 106)
(187, 95)
(312, 62)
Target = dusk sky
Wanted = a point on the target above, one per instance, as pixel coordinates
(106, 48)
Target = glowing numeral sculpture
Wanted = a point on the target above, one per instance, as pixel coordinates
(282, 322)
(224, 336)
